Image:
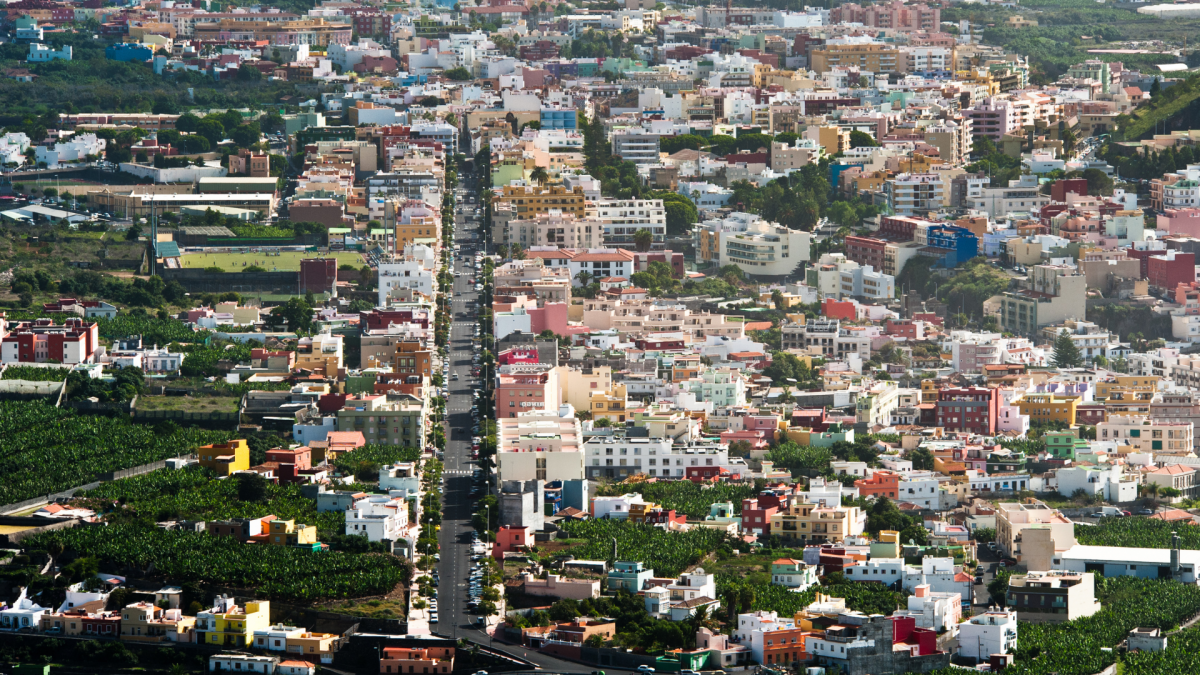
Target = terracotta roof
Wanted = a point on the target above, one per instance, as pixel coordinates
(787, 561)
(1173, 514)
(962, 576)
(745, 355)
(560, 253)
(758, 325)
(612, 280)
(1174, 469)
(618, 255)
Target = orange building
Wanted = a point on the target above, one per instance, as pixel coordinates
(413, 358)
(423, 660)
(784, 646)
(879, 484)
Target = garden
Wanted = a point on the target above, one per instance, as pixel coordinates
(667, 553)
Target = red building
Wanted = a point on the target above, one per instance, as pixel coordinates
(104, 624)
(756, 517)
(704, 474)
(381, 319)
(1089, 414)
(1059, 189)
(517, 355)
(542, 50)
(900, 228)
(970, 409)
(905, 328)
(41, 340)
(659, 343)
(371, 22)
(865, 251)
(686, 52)
(318, 275)
(1168, 269)
(816, 419)
(642, 260)
(839, 309)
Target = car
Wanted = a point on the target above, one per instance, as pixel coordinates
(645, 669)
(433, 617)
(1145, 512)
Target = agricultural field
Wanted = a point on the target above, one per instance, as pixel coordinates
(685, 496)
(1181, 656)
(866, 598)
(375, 456)
(194, 493)
(1136, 532)
(667, 553)
(44, 449)
(35, 374)
(154, 331)
(286, 261)
(276, 572)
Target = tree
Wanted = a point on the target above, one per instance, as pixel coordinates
(642, 239)
(1066, 354)
(922, 459)
(539, 175)
(778, 300)
(295, 312)
(1155, 88)
(246, 135)
(595, 640)
(602, 423)
(248, 73)
(459, 74)
(1099, 183)
(861, 139)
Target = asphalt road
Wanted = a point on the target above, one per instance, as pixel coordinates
(454, 540)
(455, 537)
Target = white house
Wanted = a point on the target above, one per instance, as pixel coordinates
(1106, 481)
(993, 632)
(403, 273)
(24, 615)
(378, 518)
(933, 610)
(12, 148)
(77, 148)
(402, 478)
(156, 360)
(39, 53)
(243, 663)
(616, 507)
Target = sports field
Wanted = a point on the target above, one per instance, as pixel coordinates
(285, 261)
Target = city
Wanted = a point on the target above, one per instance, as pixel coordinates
(600, 337)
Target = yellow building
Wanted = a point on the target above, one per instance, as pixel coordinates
(1127, 384)
(929, 391)
(579, 385)
(833, 139)
(870, 182)
(288, 533)
(1048, 408)
(321, 352)
(529, 201)
(876, 58)
(225, 459)
(811, 523)
(227, 623)
(610, 405)
(409, 228)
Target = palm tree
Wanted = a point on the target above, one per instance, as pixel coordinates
(539, 175)
(643, 239)
(1150, 491)
(584, 277)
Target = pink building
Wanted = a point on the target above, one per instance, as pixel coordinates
(517, 355)
(756, 438)
(526, 388)
(1183, 222)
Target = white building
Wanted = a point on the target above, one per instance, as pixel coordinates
(77, 148)
(827, 493)
(540, 445)
(39, 53)
(910, 193)
(378, 518)
(622, 218)
(24, 615)
(722, 387)
(402, 478)
(156, 360)
(12, 148)
(403, 273)
(1108, 482)
(764, 249)
(864, 281)
(615, 507)
(348, 56)
(993, 632)
(933, 610)
(242, 663)
(923, 489)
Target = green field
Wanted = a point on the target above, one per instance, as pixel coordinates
(286, 261)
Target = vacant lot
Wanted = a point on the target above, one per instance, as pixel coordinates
(199, 404)
(286, 261)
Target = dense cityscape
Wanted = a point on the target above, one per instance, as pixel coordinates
(599, 337)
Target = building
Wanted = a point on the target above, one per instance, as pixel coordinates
(39, 53)
(993, 632)
(431, 660)
(971, 409)
(1013, 518)
(870, 57)
(1055, 293)
(42, 340)
(794, 574)
(910, 193)
(389, 419)
(1052, 596)
(629, 576)
(225, 459)
(227, 623)
(809, 523)
(1147, 435)
(528, 201)
(540, 445)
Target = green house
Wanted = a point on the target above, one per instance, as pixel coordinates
(1064, 444)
